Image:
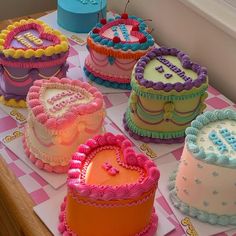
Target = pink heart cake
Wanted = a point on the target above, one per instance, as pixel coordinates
(111, 190)
(63, 113)
(114, 48)
(29, 50)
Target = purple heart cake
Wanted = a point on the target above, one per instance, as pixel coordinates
(29, 50)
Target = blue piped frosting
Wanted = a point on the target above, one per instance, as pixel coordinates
(194, 212)
(106, 83)
(223, 158)
(124, 45)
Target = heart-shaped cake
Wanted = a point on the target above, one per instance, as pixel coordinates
(114, 48)
(168, 92)
(29, 50)
(62, 114)
(111, 190)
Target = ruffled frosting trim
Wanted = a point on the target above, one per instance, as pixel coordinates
(192, 133)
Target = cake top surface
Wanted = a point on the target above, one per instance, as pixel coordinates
(82, 6)
(31, 38)
(107, 168)
(168, 70)
(57, 102)
(212, 137)
(123, 35)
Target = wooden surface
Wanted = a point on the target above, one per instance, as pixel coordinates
(16, 207)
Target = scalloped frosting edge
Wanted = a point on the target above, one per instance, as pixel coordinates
(40, 164)
(194, 212)
(64, 229)
(106, 83)
(130, 159)
(96, 38)
(172, 95)
(33, 102)
(192, 132)
(167, 87)
(62, 46)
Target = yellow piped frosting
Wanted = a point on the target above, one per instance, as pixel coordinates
(48, 51)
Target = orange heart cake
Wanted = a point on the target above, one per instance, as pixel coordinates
(29, 50)
(63, 113)
(111, 190)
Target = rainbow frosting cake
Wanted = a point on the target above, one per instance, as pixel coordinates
(29, 50)
(204, 185)
(168, 92)
(111, 190)
(114, 48)
(63, 113)
(80, 16)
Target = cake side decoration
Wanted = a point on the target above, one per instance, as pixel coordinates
(110, 182)
(29, 50)
(208, 165)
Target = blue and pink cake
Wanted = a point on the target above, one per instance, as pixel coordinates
(80, 16)
(29, 50)
(204, 186)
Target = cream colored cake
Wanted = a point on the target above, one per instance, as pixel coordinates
(62, 114)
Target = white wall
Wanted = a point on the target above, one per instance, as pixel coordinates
(178, 26)
(14, 8)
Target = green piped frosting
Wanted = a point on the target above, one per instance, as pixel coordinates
(192, 132)
(196, 213)
(150, 93)
(149, 133)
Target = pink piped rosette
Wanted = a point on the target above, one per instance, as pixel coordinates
(35, 104)
(148, 180)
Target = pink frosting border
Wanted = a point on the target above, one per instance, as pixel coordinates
(31, 64)
(34, 103)
(51, 37)
(40, 164)
(64, 229)
(75, 181)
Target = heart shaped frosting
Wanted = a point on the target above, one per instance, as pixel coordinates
(28, 38)
(124, 29)
(107, 167)
(56, 102)
(125, 35)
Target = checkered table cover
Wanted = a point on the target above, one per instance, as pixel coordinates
(38, 188)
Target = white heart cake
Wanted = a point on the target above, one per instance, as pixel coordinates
(63, 113)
